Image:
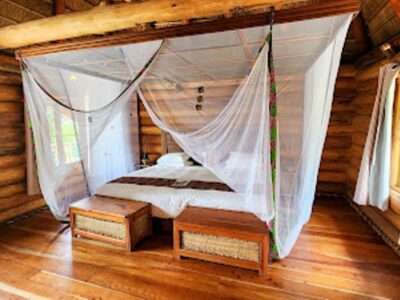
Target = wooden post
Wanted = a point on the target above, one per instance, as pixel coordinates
(59, 7)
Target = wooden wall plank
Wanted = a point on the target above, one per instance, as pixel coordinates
(13, 197)
(30, 203)
(332, 176)
(366, 84)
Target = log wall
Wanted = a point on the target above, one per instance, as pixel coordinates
(381, 19)
(150, 135)
(366, 82)
(13, 197)
(12, 146)
(366, 85)
(332, 175)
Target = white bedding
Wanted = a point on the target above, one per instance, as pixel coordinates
(169, 202)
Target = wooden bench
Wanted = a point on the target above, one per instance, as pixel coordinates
(222, 236)
(111, 220)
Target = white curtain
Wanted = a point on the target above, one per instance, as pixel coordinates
(230, 134)
(234, 145)
(295, 205)
(211, 93)
(373, 184)
(84, 121)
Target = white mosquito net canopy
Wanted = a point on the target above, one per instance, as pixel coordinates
(213, 93)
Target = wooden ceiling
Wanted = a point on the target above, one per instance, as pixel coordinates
(377, 23)
(19, 11)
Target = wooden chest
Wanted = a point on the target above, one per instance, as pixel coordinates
(111, 220)
(228, 237)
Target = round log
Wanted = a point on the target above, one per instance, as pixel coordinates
(151, 139)
(150, 130)
(12, 119)
(10, 134)
(10, 79)
(12, 189)
(366, 86)
(152, 148)
(10, 93)
(333, 155)
(11, 148)
(8, 161)
(331, 176)
(333, 165)
(12, 175)
(11, 107)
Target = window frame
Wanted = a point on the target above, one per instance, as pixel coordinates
(394, 201)
(59, 140)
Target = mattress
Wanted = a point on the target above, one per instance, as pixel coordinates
(169, 202)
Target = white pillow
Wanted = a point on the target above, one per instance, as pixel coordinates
(178, 159)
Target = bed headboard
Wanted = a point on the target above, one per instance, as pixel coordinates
(168, 144)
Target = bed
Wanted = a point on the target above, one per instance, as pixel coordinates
(169, 202)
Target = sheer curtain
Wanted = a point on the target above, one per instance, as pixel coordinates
(84, 118)
(373, 183)
(295, 205)
(211, 93)
(230, 135)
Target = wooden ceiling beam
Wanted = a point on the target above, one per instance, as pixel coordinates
(124, 16)
(104, 19)
(311, 11)
(396, 6)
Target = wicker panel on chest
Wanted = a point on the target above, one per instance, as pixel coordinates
(111, 220)
(228, 237)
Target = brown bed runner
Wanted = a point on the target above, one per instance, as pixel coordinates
(173, 183)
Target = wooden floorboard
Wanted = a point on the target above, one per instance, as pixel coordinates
(337, 257)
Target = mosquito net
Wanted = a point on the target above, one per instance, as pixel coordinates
(212, 93)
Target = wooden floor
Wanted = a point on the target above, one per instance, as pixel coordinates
(336, 257)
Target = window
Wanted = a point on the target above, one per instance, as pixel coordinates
(69, 140)
(395, 159)
(64, 146)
